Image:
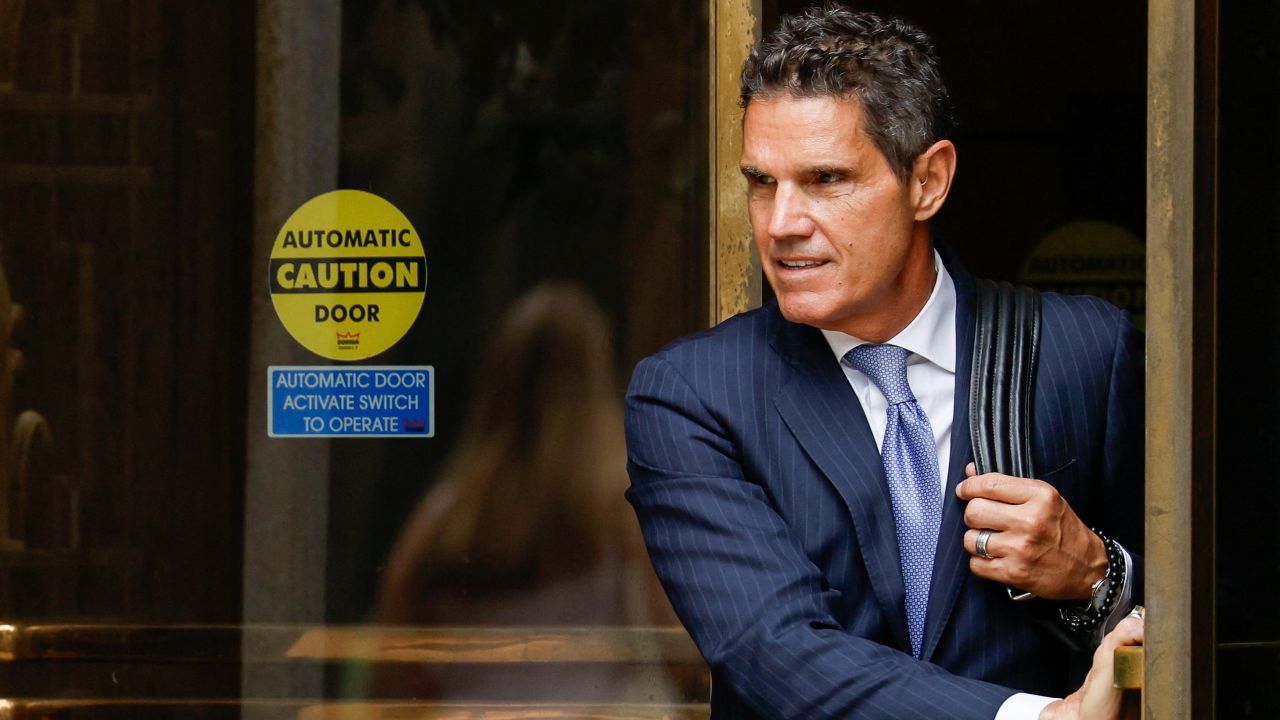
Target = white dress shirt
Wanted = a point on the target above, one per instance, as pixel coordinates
(931, 367)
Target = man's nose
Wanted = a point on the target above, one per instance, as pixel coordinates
(790, 216)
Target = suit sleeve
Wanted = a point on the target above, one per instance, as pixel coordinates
(1123, 476)
(760, 611)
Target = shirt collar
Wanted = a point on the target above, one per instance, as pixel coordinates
(931, 333)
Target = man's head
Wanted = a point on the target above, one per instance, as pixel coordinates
(887, 66)
(846, 160)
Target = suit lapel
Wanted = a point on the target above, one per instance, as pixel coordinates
(951, 562)
(819, 408)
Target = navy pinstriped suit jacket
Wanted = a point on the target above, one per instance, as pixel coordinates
(763, 502)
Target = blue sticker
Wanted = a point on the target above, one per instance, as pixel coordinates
(334, 401)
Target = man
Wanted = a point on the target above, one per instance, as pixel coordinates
(799, 471)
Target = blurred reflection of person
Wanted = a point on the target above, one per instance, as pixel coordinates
(527, 524)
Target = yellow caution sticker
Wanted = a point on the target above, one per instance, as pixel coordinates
(347, 275)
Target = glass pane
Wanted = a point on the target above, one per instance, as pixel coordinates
(154, 539)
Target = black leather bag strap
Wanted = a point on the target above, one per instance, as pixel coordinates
(1006, 350)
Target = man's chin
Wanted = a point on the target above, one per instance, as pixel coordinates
(812, 314)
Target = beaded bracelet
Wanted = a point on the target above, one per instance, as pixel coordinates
(1087, 619)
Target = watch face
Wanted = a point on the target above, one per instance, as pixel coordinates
(1100, 593)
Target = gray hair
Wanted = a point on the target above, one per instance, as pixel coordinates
(887, 65)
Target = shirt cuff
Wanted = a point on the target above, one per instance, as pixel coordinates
(1023, 706)
(1124, 603)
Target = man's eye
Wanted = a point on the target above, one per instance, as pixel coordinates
(827, 177)
(759, 179)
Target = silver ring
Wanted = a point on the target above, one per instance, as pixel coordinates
(981, 544)
(1138, 612)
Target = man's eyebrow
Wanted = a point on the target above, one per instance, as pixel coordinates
(750, 170)
(831, 169)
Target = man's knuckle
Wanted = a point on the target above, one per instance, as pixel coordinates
(1018, 575)
(1050, 495)
(971, 512)
(1036, 526)
(1022, 546)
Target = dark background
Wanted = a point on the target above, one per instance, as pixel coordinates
(1248, 350)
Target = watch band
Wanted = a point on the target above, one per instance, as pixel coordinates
(1086, 620)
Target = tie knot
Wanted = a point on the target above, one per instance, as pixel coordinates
(886, 365)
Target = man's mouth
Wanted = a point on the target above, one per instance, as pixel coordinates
(800, 264)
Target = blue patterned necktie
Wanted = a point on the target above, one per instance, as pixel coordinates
(911, 468)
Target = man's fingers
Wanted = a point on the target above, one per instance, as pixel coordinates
(982, 568)
(1007, 570)
(970, 470)
(1098, 697)
(1130, 631)
(997, 569)
(982, 513)
(1004, 488)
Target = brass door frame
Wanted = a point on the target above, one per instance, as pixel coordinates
(1181, 348)
(735, 280)
(1170, 94)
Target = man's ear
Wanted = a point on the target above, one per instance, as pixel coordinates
(931, 178)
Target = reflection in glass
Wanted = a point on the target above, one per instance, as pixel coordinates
(527, 144)
(527, 524)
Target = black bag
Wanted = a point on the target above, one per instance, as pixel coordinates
(1006, 349)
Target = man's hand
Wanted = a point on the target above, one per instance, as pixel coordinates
(1098, 698)
(1037, 544)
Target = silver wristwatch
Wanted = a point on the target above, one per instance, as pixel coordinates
(1098, 593)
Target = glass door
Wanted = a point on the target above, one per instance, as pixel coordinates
(456, 539)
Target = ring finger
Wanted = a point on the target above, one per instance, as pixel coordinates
(993, 543)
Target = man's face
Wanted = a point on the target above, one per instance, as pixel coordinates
(834, 226)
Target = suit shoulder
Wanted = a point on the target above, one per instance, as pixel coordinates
(1085, 306)
(1083, 327)
(713, 357)
(1084, 314)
